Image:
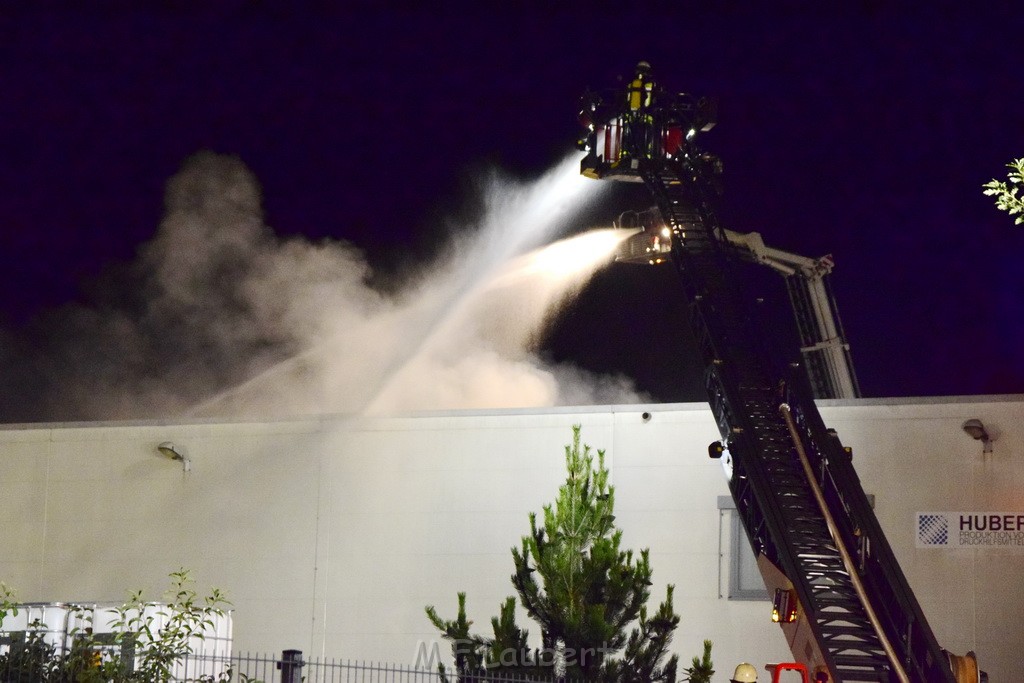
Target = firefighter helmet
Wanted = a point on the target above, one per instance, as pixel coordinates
(745, 673)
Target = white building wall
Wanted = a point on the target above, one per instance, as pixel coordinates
(331, 535)
(915, 458)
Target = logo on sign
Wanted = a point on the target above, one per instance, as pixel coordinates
(932, 529)
(978, 530)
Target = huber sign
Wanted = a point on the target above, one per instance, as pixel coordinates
(970, 530)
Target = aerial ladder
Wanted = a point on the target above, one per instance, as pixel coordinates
(823, 344)
(843, 602)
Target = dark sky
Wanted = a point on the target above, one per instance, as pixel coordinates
(864, 132)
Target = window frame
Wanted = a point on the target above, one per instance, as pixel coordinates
(744, 579)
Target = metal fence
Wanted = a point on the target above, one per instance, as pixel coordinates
(290, 667)
(22, 662)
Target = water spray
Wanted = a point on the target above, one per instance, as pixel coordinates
(444, 333)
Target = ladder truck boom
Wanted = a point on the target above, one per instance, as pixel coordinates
(822, 340)
(841, 598)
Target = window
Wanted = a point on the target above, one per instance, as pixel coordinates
(738, 575)
(743, 579)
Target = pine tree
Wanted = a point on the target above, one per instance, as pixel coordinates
(581, 588)
(702, 668)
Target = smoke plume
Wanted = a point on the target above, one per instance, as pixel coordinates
(225, 318)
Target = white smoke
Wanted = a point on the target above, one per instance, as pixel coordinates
(231, 320)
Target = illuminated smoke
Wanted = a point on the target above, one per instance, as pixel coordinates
(479, 355)
(231, 320)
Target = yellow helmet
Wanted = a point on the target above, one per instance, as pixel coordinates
(745, 673)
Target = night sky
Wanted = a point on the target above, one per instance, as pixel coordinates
(864, 133)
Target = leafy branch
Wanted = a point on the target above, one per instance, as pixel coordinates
(145, 645)
(1007, 194)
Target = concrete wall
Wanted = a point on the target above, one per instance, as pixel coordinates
(330, 535)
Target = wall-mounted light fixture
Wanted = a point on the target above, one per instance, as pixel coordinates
(168, 449)
(975, 428)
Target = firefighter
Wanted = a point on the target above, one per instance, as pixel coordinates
(639, 98)
(641, 89)
(745, 673)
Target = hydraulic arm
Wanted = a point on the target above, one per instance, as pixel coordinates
(844, 603)
(822, 340)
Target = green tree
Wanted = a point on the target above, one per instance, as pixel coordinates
(1007, 194)
(587, 594)
(702, 668)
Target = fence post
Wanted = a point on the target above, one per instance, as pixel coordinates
(291, 666)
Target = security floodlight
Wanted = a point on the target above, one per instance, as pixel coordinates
(169, 450)
(975, 428)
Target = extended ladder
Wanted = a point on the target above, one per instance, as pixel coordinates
(886, 639)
